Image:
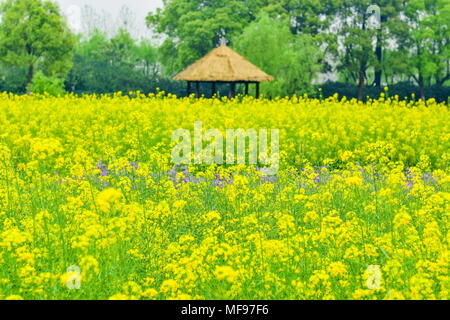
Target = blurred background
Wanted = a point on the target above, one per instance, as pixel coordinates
(357, 49)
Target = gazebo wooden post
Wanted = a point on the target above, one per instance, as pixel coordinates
(213, 89)
(246, 88)
(197, 88)
(188, 88)
(232, 90)
(257, 90)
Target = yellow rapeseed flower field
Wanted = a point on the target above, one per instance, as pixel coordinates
(92, 207)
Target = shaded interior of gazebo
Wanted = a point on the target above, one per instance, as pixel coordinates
(194, 87)
(223, 66)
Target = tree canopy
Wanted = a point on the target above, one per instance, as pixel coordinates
(293, 60)
(34, 34)
(193, 27)
(410, 42)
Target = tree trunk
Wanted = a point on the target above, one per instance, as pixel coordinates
(362, 71)
(361, 84)
(30, 76)
(379, 54)
(422, 88)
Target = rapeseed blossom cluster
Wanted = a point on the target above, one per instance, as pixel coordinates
(358, 210)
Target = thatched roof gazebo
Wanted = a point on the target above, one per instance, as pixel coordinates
(223, 65)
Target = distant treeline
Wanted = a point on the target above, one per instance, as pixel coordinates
(404, 91)
(362, 45)
(15, 81)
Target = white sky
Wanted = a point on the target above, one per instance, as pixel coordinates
(140, 8)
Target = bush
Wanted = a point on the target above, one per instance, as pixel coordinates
(13, 79)
(403, 89)
(44, 84)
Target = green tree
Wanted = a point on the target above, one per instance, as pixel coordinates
(423, 42)
(312, 17)
(34, 34)
(390, 11)
(193, 27)
(13, 79)
(148, 58)
(120, 63)
(91, 71)
(293, 60)
(122, 58)
(357, 54)
(104, 65)
(45, 84)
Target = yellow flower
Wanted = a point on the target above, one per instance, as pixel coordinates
(226, 273)
(89, 180)
(150, 293)
(169, 285)
(402, 219)
(354, 181)
(107, 198)
(212, 216)
(119, 296)
(337, 269)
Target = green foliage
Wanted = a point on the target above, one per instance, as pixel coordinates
(289, 39)
(357, 54)
(103, 65)
(192, 28)
(42, 84)
(404, 91)
(312, 17)
(293, 60)
(34, 34)
(423, 40)
(13, 79)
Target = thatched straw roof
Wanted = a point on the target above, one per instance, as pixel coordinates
(223, 64)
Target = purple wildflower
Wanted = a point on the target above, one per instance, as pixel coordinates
(103, 168)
